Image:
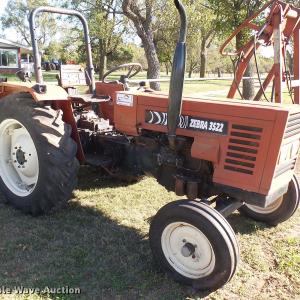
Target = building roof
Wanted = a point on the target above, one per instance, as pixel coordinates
(9, 44)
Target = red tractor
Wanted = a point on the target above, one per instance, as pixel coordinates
(221, 154)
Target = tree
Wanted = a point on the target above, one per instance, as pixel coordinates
(141, 13)
(138, 55)
(232, 14)
(16, 16)
(124, 54)
(200, 34)
(165, 35)
(217, 64)
(107, 28)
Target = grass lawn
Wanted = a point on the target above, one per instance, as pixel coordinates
(99, 243)
(210, 88)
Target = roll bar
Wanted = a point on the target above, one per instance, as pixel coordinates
(36, 53)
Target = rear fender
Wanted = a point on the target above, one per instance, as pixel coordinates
(58, 99)
(53, 92)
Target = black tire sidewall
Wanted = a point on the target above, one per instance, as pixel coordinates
(223, 258)
(285, 211)
(39, 142)
(56, 152)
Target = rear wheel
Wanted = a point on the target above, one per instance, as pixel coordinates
(280, 210)
(38, 166)
(194, 244)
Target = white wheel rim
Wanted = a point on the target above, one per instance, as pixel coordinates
(188, 250)
(266, 210)
(19, 165)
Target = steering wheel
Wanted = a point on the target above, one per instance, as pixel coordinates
(248, 23)
(133, 70)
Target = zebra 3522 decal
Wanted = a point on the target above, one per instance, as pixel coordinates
(189, 122)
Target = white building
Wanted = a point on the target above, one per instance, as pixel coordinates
(14, 56)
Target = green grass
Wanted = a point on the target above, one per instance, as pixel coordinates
(99, 243)
(48, 76)
(210, 88)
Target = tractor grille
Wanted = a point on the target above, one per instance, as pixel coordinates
(292, 130)
(284, 167)
(293, 126)
(243, 148)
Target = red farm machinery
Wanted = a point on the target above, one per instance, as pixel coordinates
(219, 154)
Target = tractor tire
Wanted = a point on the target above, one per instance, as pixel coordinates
(47, 67)
(52, 67)
(194, 244)
(280, 210)
(38, 165)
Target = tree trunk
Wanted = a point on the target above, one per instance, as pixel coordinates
(203, 58)
(102, 59)
(152, 60)
(143, 26)
(167, 68)
(248, 84)
(290, 62)
(102, 65)
(191, 71)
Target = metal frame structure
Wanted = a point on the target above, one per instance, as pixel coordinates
(281, 25)
(36, 53)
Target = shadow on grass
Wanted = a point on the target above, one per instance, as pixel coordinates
(76, 248)
(244, 225)
(91, 178)
(82, 247)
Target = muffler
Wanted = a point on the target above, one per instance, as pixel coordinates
(177, 78)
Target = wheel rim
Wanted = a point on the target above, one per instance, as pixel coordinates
(188, 250)
(19, 165)
(267, 210)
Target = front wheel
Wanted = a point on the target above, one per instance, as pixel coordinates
(280, 210)
(194, 244)
(38, 164)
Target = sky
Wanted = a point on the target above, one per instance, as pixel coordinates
(10, 34)
(2, 5)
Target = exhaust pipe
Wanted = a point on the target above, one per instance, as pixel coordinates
(177, 78)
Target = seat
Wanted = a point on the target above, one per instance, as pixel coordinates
(72, 76)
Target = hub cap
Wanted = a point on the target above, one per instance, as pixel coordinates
(19, 166)
(188, 250)
(269, 209)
